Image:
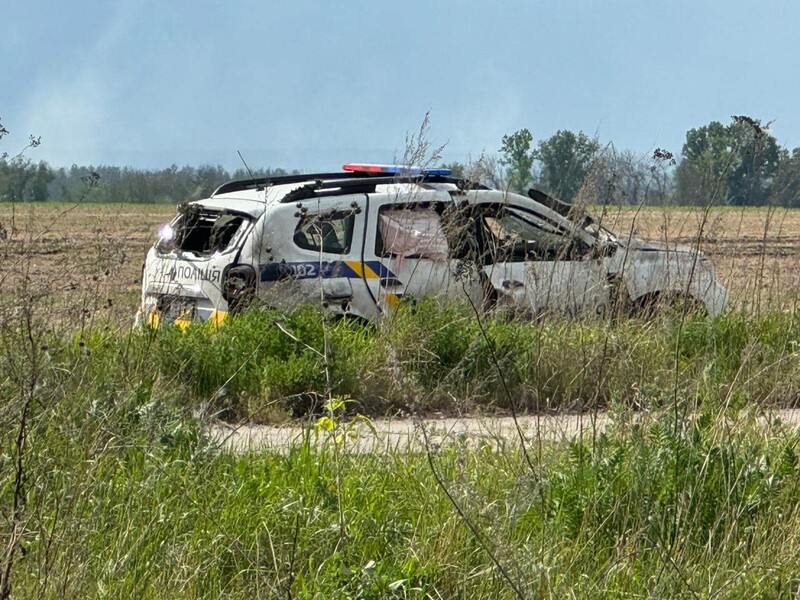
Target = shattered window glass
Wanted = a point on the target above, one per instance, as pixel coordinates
(202, 231)
(514, 236)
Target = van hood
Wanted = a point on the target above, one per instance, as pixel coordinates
(654, 246)
(250, 207)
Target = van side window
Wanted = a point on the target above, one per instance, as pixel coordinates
(512, 235)
(330, 234)
(412, 232)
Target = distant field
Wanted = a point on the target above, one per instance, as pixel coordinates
(89, 257)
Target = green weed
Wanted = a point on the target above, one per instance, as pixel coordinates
(686, 492)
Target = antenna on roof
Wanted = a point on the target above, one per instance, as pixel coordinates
(255, 183)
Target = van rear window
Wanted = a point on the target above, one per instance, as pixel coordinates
(412, 232)
(203, 232)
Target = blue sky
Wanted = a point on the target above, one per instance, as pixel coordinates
(310, 85)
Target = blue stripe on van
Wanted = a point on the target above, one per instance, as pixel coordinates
(325, 269)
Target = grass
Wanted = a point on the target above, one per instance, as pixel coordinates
(110, 489)
(123, 496)
(253, 368)
(127, 499)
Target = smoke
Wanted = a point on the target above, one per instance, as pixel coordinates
(70, 102)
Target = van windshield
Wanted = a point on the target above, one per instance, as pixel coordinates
(203, 231)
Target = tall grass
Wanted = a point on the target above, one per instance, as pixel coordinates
(127, 499)
(437, 358)
(123, 496)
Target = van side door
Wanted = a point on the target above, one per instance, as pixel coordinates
(312, 253)
(415, 254)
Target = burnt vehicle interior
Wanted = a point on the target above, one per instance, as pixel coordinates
(484, 234)
(513, 235)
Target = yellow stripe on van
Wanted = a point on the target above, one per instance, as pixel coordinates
(363, 270)
(217, 317)
(393, 300)
(182, 324)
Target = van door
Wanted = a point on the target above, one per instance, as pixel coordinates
(417, 252)
(536, 267)
(314, 255)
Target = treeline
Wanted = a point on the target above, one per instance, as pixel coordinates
(739, 163)
(23, 180)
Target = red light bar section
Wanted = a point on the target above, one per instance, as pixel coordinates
(369, 168)
(394, 169)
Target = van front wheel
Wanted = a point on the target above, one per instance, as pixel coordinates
(239, 288)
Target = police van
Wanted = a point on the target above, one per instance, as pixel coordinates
(364, 240)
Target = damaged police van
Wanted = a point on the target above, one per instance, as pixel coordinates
(363, 240)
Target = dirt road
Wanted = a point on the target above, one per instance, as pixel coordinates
(409, 434)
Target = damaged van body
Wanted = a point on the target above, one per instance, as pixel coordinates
(363, 240)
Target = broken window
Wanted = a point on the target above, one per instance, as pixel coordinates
(412, 233)
(458, 222)
(516, 236)
(202, 231)
(331, 234)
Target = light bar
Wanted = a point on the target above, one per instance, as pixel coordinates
(393, 169)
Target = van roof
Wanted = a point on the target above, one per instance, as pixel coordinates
(254, 201)
(345, 180)
(253, 196)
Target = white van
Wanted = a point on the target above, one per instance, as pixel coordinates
(363, 240)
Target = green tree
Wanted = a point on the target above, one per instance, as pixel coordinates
(629, 178)
(38, 186)
(759, 155)
(517, 157)
(786, 183)
(565, 160)
(730, 163)
(206, 179)
(457, 169)
(24, 181)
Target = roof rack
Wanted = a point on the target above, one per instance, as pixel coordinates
(264, 182)
(353, 182)
(367, 183)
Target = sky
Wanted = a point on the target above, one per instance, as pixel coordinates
(310, 85)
